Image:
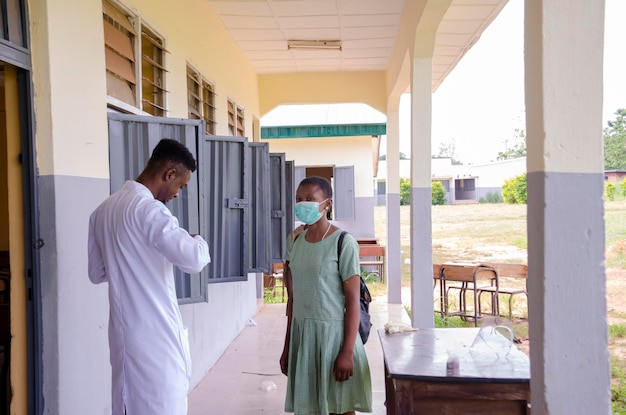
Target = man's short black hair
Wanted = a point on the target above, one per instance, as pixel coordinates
(168, 150)
(320, 182)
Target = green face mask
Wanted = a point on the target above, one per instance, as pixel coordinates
(308, 212)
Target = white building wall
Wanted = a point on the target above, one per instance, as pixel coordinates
(332, 151)
(495, 173)
(489, 176)
(339, 152)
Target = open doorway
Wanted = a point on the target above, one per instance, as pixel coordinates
(343, 184)
(5, 261)
(13, 297)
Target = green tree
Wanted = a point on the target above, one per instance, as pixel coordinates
(405, 192)
(438, 194)
(514, 190)
(518, 148)
(615, 142)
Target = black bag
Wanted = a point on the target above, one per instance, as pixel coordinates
(365, 324)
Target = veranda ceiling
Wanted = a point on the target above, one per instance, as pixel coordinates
(367, 29)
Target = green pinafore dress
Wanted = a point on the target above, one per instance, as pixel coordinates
(317, 327)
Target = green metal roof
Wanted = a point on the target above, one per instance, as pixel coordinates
(328, 130)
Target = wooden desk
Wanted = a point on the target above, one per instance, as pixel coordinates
(513, 273)
(416, 382)
(466, 274)
(375, 251)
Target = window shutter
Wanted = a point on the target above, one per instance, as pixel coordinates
(200, 99)
(240, 123)
(290, 199)
(119, 37)
(131, 141)
(152, 73)
(259, 229)
(119, 53)
(299, 175)
(344, 193)
(194, 99)
(208, 106)
(224, 206)
(235, 119)
(231, 118)
(278, 207)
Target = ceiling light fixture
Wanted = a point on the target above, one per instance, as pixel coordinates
(314, 44)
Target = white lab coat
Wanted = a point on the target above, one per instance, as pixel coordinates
(133, 242)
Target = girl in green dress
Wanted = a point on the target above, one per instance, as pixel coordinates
(323, 356)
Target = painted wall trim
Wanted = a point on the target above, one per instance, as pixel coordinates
(327, 130)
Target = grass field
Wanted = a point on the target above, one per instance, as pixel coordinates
(493, 233)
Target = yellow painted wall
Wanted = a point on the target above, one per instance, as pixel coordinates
(69, 79)
(332, 151)
(70, 103)
(195, 34)
(323, 88)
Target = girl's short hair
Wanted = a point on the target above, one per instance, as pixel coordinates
(321, 182)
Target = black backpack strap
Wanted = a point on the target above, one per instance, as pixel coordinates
(340, 244)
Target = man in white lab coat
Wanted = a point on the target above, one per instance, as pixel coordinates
(134, 242)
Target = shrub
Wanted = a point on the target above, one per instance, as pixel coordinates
(514, 190)
(491, 198)
(624, 187)
(439, 194)
(405, 192)
(609, 191)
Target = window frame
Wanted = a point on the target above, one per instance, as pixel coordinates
(236, 119)
(153, 70)
(209, 109)
(205, 96)
(133, 62)
(120, 33)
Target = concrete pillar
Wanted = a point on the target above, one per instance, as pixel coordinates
(394, 258)
(421, 195)
(566, 280)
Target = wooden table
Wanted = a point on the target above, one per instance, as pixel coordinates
(416, 382)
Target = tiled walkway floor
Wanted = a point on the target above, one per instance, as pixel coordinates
(234, 386)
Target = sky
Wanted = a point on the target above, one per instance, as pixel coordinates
(482, 99)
